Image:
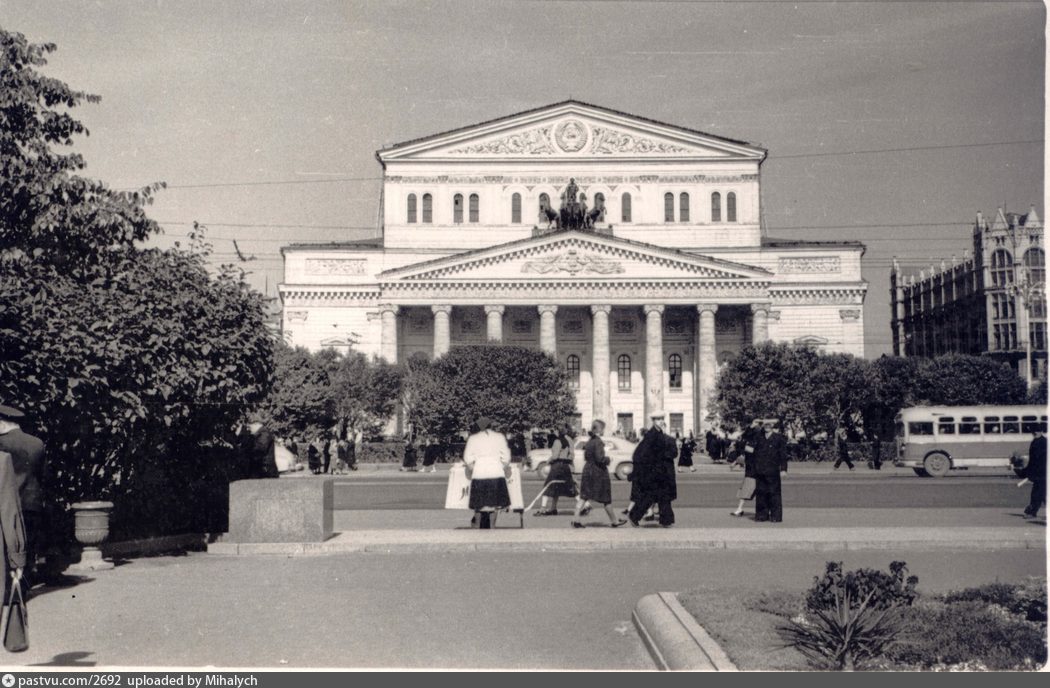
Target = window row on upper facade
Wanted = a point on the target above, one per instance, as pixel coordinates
(623, 371)
(676, 209)
(1002, 267)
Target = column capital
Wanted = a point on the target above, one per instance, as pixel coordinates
(601, 308)
(547, 308)
(707, 308)
(443, 308)
(653, 308)
(389, 308)
(757, 307)
(494, 309)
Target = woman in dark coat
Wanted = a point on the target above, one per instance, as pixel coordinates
(560, 473)
(685, 456)
(595, 485)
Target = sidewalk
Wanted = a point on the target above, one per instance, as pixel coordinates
(696, 529)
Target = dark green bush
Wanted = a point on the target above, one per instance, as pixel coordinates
(937, 634)
(381, 452)
(1027, 600)
(891, 589)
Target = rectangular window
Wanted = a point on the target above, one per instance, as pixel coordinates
(991, 425)
(1011, 425)
(946, 426)
(920, 428)
(969, 426)
(676, 427)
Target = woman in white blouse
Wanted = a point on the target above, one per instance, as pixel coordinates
(487, 457)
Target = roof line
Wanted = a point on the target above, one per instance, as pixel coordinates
(551, 106)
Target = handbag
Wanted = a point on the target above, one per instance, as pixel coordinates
(16, 620)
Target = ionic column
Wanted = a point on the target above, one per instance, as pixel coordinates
(388, 333)
(494, 322)
(442, 331)
(548, 332)
(600, 362)
(654, 358)
(759, 323)
(708, 359)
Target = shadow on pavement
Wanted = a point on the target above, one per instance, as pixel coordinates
(59, 582)
(69, 659)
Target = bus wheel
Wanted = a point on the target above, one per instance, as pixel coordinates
(937, 464)
(921, 472)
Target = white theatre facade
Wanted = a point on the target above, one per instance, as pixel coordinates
(641, 305)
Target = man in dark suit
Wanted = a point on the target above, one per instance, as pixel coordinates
(27, 455)
(769, 449)
(654, 473)
(1035, 473)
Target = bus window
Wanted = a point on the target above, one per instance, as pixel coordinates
(991, 425)
(946, 426)
(1010, 425)
(969, 426)
(922, 428)
(1029, 424)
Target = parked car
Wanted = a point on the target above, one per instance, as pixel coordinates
(619, 451)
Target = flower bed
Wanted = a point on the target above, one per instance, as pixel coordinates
(993, 627)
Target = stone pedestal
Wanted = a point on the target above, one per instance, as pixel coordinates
(282, 510)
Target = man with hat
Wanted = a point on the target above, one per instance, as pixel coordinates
(654, 472)
(769, 451)
(27, 454)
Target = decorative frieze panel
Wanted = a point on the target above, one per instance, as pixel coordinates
(809, 264)
(675, 327)
(336, 266)
(296, 298)
(572, 327)
(531, 142)
(609, 141)
(849, 314)
(296, 316)
(561, 180)
(815, 296)
(572, 263)
(623, 327)
(575, 292)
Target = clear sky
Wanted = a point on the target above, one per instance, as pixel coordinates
(264, 117)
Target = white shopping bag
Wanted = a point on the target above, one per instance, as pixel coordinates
(458, 494)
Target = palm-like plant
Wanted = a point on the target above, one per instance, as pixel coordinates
(846, 635)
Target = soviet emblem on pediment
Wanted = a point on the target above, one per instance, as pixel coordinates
(570, 136)
(573, 263)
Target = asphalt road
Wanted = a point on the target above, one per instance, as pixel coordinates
(834, 490)
(554, 610)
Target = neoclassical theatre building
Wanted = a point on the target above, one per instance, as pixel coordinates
(629, 249)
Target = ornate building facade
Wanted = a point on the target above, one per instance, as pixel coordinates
(629, 249)
(991, 303)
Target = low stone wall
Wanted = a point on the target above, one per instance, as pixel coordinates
(280, 511)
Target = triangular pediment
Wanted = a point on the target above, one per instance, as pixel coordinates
(575, 255)
(573, 130)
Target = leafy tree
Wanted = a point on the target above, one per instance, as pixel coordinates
(122, 356)
(365, 392)
(810, 392)
(517, 388)
(889, 388)
(957, 379)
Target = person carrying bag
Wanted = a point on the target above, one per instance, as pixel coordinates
(14, 623)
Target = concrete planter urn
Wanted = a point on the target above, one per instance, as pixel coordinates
(91, 528)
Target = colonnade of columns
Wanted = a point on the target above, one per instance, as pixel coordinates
(600, 361)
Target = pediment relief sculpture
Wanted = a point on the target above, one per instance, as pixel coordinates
(573, 263)
(573, 136)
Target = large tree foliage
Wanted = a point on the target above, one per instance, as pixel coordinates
(122, 356)
(325, 394)
(517, 388)
(813, 392)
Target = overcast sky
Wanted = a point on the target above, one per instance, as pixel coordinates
(228, 102)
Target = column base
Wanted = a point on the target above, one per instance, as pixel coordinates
(91, 560)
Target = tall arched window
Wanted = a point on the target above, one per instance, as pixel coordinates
(625, 208)
(474, 202)
(674, 370)
(457, 208)
(1002, 268)
(623, 373)
(572, 369)
(515, 209)
(683, 207)
(428, 208)
(411, 208)
(731, 207)
(545, 204)
(599, 204)
(716, 207)
(668, 207)
(1035, 265)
